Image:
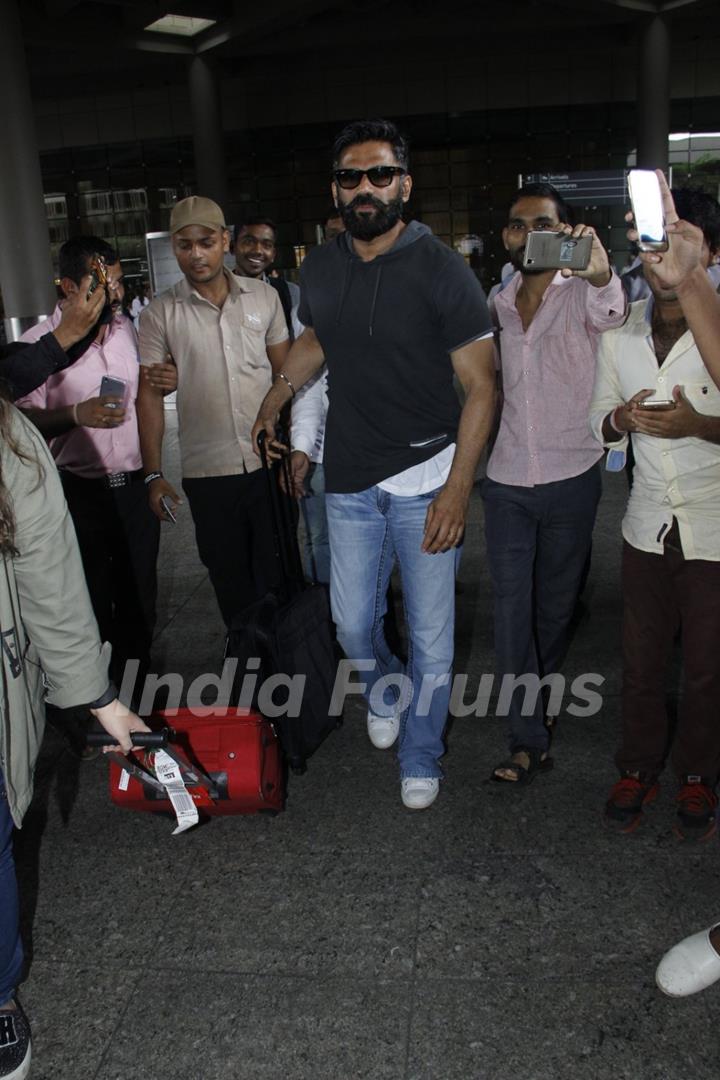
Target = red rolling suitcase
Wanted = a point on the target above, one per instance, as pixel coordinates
(234, 755)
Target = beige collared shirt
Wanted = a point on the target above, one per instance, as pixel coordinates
(223, 368)
(672, 478)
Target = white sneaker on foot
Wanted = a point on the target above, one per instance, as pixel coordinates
(15, 1044)
(419, 792)
(689, 966)
(382, 730)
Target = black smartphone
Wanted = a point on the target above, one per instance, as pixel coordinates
(545, 250)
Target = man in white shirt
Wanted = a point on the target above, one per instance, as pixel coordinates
(140, 302)
(654, 385)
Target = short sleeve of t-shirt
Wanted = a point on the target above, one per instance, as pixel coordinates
(277, 330)
(152, 337)
(461, 305)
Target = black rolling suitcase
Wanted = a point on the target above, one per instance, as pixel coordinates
(291, 632)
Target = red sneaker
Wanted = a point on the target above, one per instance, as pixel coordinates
(696, 810)
(624, 808)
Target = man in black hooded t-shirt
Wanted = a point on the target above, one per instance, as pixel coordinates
(395, 313)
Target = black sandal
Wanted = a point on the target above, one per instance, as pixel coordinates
(537, 763)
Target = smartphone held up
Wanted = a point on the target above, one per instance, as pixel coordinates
(647, 208)
(547, 250)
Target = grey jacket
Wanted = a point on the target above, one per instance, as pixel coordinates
(51, 650)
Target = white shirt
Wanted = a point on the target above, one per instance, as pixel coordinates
(677, 478)
(136, 309)
(309, 412)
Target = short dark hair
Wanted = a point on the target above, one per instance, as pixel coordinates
(361, 131)
(699, 209)
(544, 191)
(78, 250)
(237, 229)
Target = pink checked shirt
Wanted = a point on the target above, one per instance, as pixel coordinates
(547, 376)
(85, 451)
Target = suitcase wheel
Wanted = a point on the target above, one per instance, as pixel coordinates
(268, 811)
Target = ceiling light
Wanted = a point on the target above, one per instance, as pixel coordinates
(681, 136)
(184, 25)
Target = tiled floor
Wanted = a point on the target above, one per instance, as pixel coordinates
(501, 935)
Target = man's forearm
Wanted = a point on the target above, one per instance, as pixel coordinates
(701, 307)
(709, 429)
(304, 360)
(151, 426)
(27, 365)
(476, 422)
(52, 422)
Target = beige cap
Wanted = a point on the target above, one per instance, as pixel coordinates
(196, 211)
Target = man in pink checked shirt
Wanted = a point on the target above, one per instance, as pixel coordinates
(543, 477)
(94, 441)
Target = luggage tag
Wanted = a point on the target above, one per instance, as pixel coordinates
(129, 768)
(200, 786)
(169, 773)
(165, 773)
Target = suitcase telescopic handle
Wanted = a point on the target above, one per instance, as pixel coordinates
(283, 520)
(145, 740)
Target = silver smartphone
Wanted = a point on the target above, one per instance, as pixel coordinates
(167, 508)
(647, 208)
(545, 250)
(657, 404)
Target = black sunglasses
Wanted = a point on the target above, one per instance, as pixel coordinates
(378, 175)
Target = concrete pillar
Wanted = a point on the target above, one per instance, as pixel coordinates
(653, 95)
(210, 169)
(26, 273)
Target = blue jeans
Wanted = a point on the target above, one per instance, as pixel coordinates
(11, 953)
(312, 507)
(369, 531)
(537, 540)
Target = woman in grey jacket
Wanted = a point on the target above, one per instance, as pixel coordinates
(50, 652)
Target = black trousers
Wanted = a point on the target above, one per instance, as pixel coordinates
(119, 537)
(234, 535)
(537, 540)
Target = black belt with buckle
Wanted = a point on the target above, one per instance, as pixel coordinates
(121, 479)
(110, 480)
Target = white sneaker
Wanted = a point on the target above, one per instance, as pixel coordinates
(15, 1044)
(419, 792)
(689, 966)
(382, 730)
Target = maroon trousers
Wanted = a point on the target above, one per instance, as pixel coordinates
(664, 594)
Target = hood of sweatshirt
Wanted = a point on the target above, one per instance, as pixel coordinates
(412, 232)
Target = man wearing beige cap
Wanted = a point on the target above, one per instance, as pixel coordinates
(228, 338)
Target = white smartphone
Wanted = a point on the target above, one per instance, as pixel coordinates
(647, 208)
